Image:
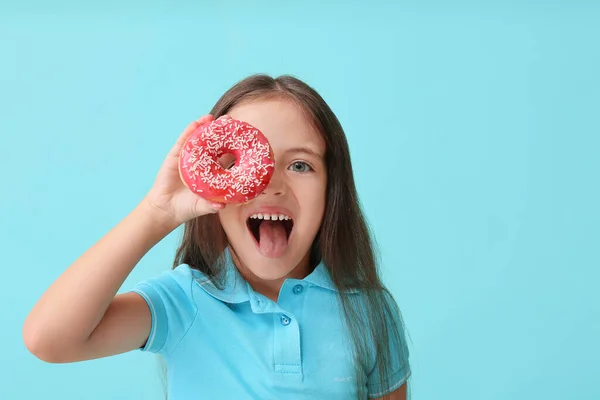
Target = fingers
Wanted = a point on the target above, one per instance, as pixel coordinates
(213, 209)
(215, 206)
(187, 131)
(204, 207)
(218, 206)
(204, 119)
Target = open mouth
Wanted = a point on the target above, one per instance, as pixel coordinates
(271, 232)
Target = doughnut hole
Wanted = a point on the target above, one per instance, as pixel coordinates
(227, 160)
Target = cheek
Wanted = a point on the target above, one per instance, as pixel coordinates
(229, 219)
(319, 208)
(312, 199)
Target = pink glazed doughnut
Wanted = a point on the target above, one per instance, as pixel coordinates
(201, 172)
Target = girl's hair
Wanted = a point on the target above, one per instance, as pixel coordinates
(343, 242)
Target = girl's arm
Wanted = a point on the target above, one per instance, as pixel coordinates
(79, 317)
(398, 394)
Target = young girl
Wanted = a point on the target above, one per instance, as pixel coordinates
(275, 299)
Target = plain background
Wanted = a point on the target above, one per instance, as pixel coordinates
(474, 130)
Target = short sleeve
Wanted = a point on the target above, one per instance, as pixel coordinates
(399, 369)
(172, 306)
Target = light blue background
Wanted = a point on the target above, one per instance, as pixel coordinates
(474, 131)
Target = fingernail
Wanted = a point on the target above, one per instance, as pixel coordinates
(218, 206)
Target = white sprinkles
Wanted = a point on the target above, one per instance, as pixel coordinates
(246, 178)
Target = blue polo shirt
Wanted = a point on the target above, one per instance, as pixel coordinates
(237, 344)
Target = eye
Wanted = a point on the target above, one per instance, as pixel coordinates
(300, 166)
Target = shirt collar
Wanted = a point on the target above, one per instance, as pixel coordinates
(235, 289)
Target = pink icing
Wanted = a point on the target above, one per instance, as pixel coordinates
(247, 178)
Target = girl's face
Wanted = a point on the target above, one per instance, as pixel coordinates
(272, 235)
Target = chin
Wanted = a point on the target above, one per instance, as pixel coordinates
(264, 267)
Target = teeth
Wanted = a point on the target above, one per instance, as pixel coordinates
(272, 217)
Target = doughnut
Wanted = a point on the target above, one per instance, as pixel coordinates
(201, 172)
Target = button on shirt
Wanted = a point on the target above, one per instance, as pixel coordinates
(234, 343)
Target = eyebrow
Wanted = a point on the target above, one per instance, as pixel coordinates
(305, 150)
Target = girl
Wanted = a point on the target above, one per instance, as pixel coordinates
(275, 299)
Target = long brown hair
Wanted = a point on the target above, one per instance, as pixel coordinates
(344, 242)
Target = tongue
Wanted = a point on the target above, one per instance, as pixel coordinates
(273, 239)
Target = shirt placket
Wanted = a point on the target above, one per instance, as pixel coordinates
(287, 352)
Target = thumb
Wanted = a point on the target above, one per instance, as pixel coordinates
(187, 132)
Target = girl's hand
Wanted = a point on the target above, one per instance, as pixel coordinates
(169, 195)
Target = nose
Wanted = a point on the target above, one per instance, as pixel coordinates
(277, 185)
